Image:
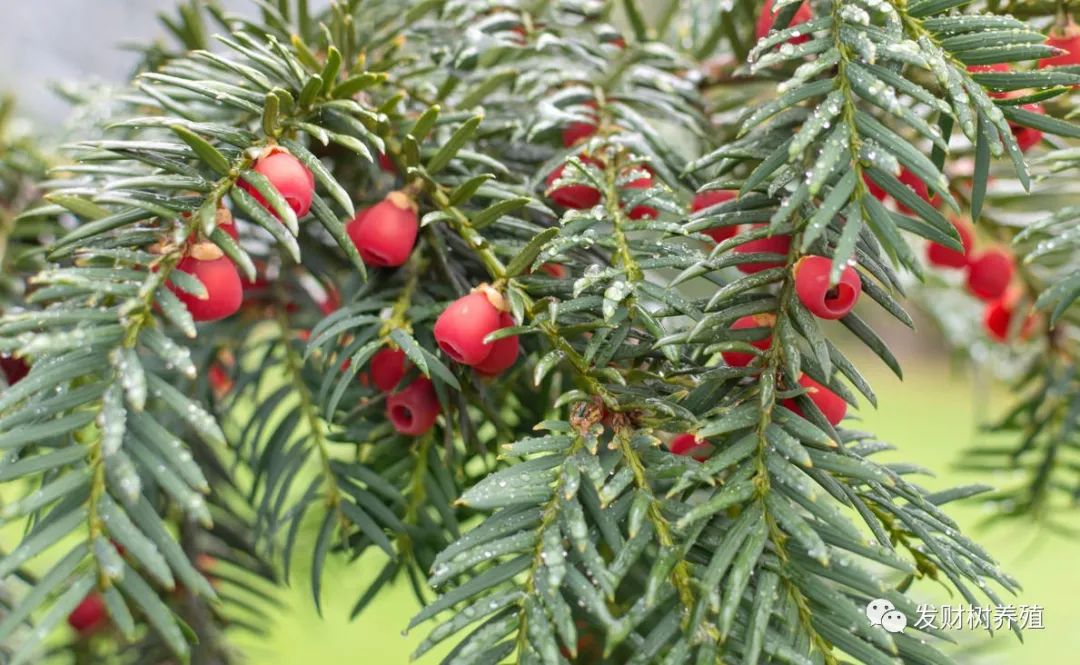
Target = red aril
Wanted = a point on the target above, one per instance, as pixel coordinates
(946, 257)
(504, 351)
(413, 410)
(461, 328)
(831, 405)
(288, 176)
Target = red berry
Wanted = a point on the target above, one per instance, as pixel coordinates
(289, 177)
(222, 281)
(577, 131)
(990, 273)
(872, 187)
(946, 257)
(1027, 137)
(991, 69)
(769, 245)
(230, 229)
(689, 444)
(385, 233)
(578, 197)
(641, 211)
(984, 69)
(906, 177)
(14, 369)
(220, 381)
(816, 293)
(461, 328)
(556, 270)
(996, 319)
(829, 403)
(89, 616)
(388, 367)
(913, 182)
(998, 316)
(413, 410)
(386, 164)
(1067, 40)
(767, 16)
(703, 200)
(741, 358)
(721, 233)
(504, 351)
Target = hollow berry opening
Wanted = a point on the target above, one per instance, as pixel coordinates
(839, 297)
(402, 415)
(452, 351)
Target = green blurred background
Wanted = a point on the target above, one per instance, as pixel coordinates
(931, 417)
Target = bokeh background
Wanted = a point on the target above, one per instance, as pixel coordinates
(931, 417)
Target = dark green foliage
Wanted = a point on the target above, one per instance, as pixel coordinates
(544, 510)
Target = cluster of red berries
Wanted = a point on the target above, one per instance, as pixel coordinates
(207, 263)
(988, 273)
(812, 273)
(385, 233)
(579, 196)
(779, 244)
(460, 332)
(831, 405)
(989, 276)
(815, 290)
(412, 410)
(1067, 39)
